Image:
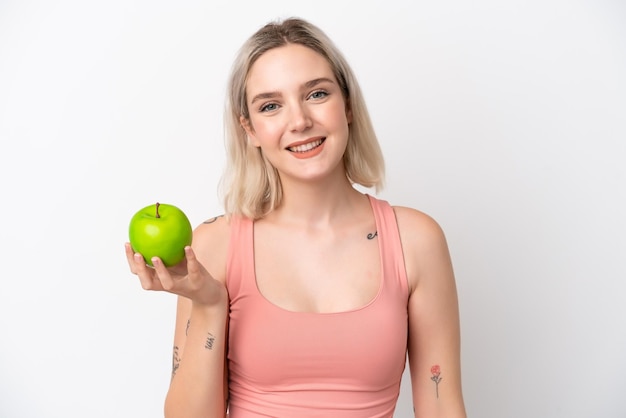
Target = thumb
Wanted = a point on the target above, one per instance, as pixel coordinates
(194, 268)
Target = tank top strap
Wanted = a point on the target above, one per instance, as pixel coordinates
(390, 244)
(240, 258)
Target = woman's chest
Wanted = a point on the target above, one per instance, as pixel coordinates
(317, 274)
(365, 348)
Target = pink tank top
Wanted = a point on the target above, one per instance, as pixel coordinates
(300, 364)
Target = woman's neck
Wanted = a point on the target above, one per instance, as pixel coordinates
(318, 204)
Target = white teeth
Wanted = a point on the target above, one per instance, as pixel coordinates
(306, 147)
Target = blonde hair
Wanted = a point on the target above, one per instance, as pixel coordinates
(251, 185)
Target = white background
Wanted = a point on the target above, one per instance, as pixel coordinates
(504, 120)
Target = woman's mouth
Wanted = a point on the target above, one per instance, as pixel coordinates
(307, 147)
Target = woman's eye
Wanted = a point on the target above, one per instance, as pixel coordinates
(319, 94)
(269, 107)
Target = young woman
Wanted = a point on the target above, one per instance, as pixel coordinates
(304, 300)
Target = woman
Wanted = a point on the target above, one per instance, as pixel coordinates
(305, 299)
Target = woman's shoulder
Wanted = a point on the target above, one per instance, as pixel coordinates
(212, 231)
(424, 243)
(412, 221)
(210, 243)
(423, 239)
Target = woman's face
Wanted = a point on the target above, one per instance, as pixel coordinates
(298, 116)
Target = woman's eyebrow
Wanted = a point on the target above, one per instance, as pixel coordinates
(309, 84)
(316, 81)
(263, 96)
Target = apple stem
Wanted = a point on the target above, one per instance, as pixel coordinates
(157, 210)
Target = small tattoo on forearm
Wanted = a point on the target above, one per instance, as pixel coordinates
(372, 235)
(209, 342)
(436, 372)
(175, 361)
(187, 328)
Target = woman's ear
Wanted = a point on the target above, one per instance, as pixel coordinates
(251, 138)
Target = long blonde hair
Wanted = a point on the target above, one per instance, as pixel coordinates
(251, 185)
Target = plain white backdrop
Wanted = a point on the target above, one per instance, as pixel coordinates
(505, 121)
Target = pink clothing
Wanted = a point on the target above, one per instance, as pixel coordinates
(302, 364)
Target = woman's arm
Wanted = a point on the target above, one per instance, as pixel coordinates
(199, 374)
(181, 329)
(198, 386)
(434, 331)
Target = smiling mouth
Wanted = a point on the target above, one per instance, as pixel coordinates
(307, 147)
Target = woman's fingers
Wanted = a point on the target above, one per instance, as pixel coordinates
(163, 274)
(130, 257)
(194, 268)
(138, 267)
(185, 279)
(146, 274)
(174, 279)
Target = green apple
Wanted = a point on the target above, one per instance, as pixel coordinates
(160, 230)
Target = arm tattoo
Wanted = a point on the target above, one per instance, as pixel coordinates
(210, 339)
(175, 361)
(187, 328)
(210, 221)
(372, 235)
(436, 372)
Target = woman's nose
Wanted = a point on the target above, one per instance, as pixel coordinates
(300, 119)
